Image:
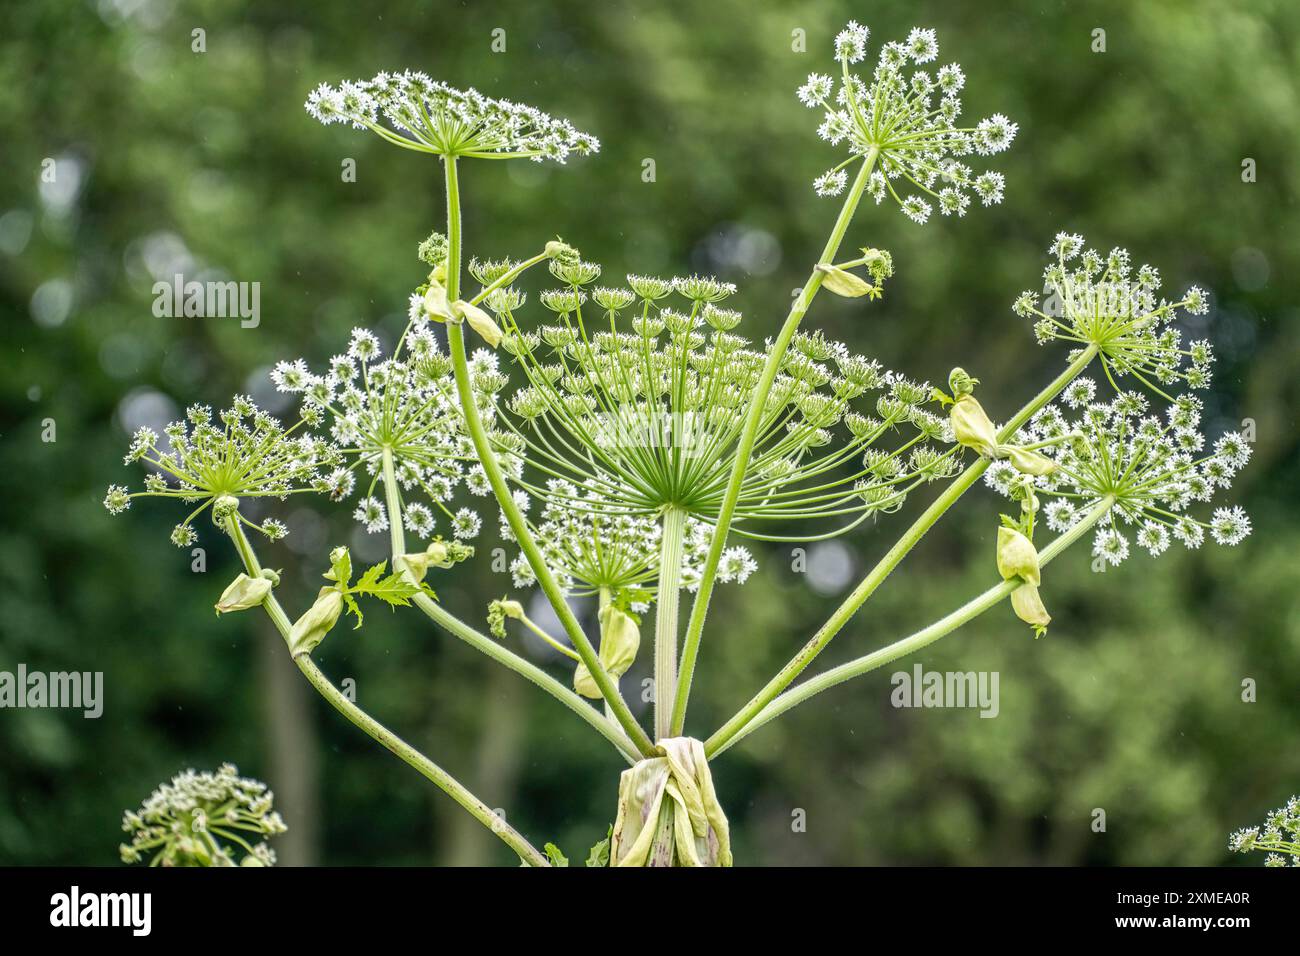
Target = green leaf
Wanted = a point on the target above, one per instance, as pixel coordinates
(371, 577)
(351, 603)
(396, 589)
(555, 856)
(340, 567)
(599, 855)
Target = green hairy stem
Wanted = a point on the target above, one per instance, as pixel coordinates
(479, 641)
(876, 576)
(373, 728)
(922, 638)
(667, 600)
(518, 525)
(745, 444)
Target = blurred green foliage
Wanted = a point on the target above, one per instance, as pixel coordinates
(1132, 704)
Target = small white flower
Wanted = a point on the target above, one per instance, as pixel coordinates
(916, 209)
(371, 513)
(1154, 537)
(816, 91)
(922, 45)
(466, 524)
(1110, 545)
(364, 346)
(419, 519)
(1229, 525)
(737, 565)
(831, 183)
(291, 376)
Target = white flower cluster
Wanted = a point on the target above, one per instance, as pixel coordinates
(1100, 300)
(1279, 837)
(429, 116)
(406, 406)
(1154, 468)
(203, 819)
(245, 453)
(594, 544)
(657, 409)
(909, 124)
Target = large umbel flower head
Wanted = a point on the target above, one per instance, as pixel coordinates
(1154, 468)
(1279, 837)
(244, 453)
(416, 112)
(637, 396)
(404, 404)
(1101, 301)
(910, 123)
(204, 819)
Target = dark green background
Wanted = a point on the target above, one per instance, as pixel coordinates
(1131, 704)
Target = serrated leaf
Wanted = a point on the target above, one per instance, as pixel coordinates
(371, 577)
(353, 608)
(555, 856)
(599, 855)
(340, 567)
(397, 589)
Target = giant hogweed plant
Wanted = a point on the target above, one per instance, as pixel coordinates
(628, 438)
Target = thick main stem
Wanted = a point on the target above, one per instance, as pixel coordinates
(922, 638)
(667, 600)
(876, 576)
(745, 444)
(454, 625)
(373, 728)
(514, 517)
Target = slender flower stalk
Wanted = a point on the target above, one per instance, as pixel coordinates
(515, 518)
(454, 625)
(901, 648)
(669, 594)
(745, 443)
(373, 728)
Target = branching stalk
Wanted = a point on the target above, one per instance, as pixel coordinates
(482, 642)
(377, 731)
(876, 576)
(922, 638)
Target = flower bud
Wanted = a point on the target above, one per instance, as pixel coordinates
(1017, 557)
(439, 554)
(561, 251)
(1027, 462)
(842, 282)
(1028, 605)
(310, 629)
(223, 507)
(242, 593)
(971, 426)
(961, 382)
(620, 639)
(479, 321)
(511, 609)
